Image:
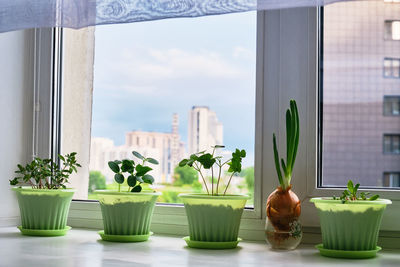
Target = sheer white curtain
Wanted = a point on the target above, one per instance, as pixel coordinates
(23, 14)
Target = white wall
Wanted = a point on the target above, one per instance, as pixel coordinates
(16, 88)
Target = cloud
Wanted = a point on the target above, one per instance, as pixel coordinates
(240, 52)
(175, 63)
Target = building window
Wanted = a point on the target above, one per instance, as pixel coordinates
(391, 68)
(391, 143)
(391, 105)
(392, 30)
(391, 179)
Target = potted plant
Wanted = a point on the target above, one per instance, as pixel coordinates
(214, 218)
(44, 204)
(127, 215)
(283, 229)
(350, 224)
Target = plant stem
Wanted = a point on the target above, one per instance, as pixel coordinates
(219, 175)
(230, 178)
(119, 187)
(204, 180)
(212, 181)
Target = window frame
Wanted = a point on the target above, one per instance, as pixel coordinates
(286, 39)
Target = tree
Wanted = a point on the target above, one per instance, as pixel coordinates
(248, 174)
(96, 181)
(185, 175)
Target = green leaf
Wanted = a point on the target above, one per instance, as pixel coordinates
(113, 166)
(131, 180)
(277, 166)
(127, 166)
(243, 153)
(139, 179)
(194, 157)
(356, 188)
(137, 188)
(142, 170)
(119, 178)
(206, 160)
(61, 157)
(137, 154)
(148, 179)
(152, 161)
(350, 186)
(183, 162)
(375, 197)
(14, 181)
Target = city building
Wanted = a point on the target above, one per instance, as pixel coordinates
(204, 129)
(167, 148)
(361, 94)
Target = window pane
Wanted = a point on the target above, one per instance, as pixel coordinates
(174, 87)
(396, 30)
(354, 125)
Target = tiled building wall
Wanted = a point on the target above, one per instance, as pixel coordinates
(353, 92)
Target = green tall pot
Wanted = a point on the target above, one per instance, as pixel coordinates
(214, 221)
(44, 212)
(350, 226)
(126, 215)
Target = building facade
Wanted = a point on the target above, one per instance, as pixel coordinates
(204, 129)
(361, 93)
(167, 148)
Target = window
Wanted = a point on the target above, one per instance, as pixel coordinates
(184, 88)
(391, 143)
(353, 93)
(392, 30)
(391, 105)
(391, 179)
(391, 67)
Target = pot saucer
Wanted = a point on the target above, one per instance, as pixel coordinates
(211, 245)
(124, 238)
(40, 232)
(348, 254)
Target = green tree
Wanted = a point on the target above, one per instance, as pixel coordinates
(96, 181)
(248, 174)
(185, 175)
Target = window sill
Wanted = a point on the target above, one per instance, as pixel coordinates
(83, 246)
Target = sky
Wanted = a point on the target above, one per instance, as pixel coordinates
(146, 71)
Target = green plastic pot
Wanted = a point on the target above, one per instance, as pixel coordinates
(44, 209)
(213, 218)
(126, 213)
(350, 226)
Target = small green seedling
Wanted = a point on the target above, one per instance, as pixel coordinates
(45, 173)
(136, 174)
(350, 194)
(207, 160)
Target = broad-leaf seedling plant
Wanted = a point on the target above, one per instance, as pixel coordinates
(351, 194)
(45, 173)
(206, 161)
(135, 174)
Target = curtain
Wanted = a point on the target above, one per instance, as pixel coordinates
(23, 14)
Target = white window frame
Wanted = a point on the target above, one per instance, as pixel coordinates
(287, 67)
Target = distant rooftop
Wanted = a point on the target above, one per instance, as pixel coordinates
(194, 107)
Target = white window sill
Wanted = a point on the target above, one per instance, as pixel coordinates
(83, 248)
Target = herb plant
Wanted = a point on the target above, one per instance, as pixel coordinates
(135, 174)
(292, 143)
(45, 173)
(206, 161)
(351, 194)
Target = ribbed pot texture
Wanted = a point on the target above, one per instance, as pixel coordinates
(44, 209)
(129, 215)
(216, 221)
(350, 231)
(352, 225)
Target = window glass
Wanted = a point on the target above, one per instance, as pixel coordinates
(174, 87)
(359, 140)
